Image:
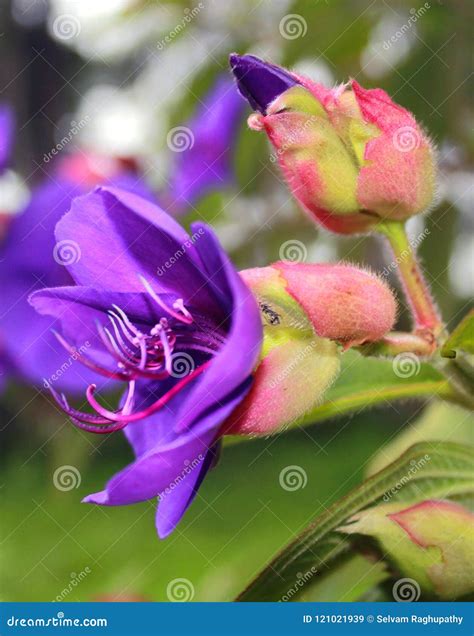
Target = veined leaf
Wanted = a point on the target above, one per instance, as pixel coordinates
(424, 471)
(440, 421)
(366, 382)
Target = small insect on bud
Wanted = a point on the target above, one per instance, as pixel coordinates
(310, 314)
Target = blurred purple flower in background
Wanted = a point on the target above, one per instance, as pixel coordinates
(167, 314)
(205, 147)
(30, 259)
(6, 135)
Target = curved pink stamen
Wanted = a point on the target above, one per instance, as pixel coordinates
(186, 319)
(115, 375)
(156, 406)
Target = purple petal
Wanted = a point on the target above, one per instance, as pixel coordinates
(237, 358)
(30, 260)
(79, 308)
(152, 473)
(207, 163)
(159, 467)
(172, 506)
(258, 81)
(121, 235)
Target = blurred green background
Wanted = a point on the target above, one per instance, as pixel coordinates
(241, 516)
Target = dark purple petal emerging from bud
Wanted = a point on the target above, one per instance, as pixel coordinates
(258, 81)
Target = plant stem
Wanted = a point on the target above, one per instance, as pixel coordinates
(396, 342)
(427, 321)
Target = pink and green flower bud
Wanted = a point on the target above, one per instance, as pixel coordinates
(430, 542)
(351, 156)
(310, 314)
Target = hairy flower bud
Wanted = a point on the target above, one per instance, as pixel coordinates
(308, 311)
(431, 542)
(351, 156)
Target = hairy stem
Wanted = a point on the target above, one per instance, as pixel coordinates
(427, 321)
(396, 342)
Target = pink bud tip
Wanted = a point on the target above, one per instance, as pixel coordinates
(343, 302)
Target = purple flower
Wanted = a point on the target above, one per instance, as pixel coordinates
(168, 315)
(258, 81)
(210, 135)
(30, 259)
(6, 135)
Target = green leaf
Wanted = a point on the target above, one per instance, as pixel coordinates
(366, 382)
(462, 338)
(353, 578)
(439, 421)
(425, 471)
(430, 542)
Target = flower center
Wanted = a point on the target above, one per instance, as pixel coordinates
(178, 346)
